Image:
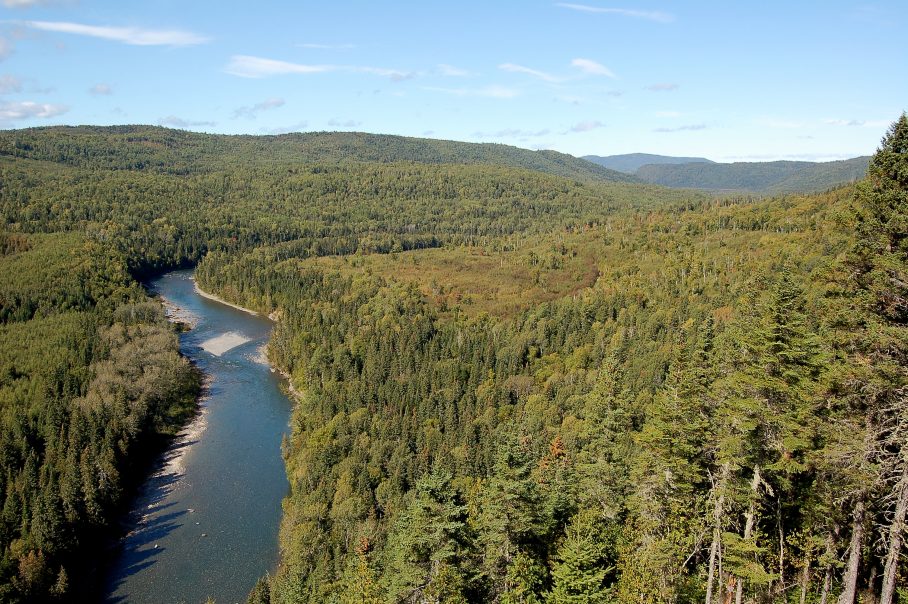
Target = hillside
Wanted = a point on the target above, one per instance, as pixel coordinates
(757, 177)
(181, 152)
(513, 383)
(629, 163)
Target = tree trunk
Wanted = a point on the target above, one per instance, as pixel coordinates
(749, 525)
(850, 582)
(713, 554)
(717, 532)
(831, 539)
(896, 530)
(805, 581)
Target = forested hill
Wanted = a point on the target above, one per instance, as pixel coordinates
(630, 162)
(758, 177)
(180, 152)
(517, 387)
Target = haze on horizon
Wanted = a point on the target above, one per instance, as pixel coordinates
(731, 82)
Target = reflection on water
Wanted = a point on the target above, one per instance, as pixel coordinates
(205, 524)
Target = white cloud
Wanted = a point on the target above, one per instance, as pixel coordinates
(10, 84)
(127, 35)
(246, 66)
(101, 90)
(624, 12)
(866, 123)
(495, 92)
(177, 122)
(13, 111)
(663, 87)
(668, 114)
(6, 48)
(573, 100)
(533, 72)
(336, 123)
(451, 71)
(252, 111)
(25, 3)
(592, 67)
(326, 46)
(682, 128)
(513, 133)
(586, 126)
(297, 127)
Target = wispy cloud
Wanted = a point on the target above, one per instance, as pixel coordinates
(25, 3)
(337, 123)
(514, 68)
(252, 111)
(663, 87)
(258, 67)
(624, 12)
(668, 114)
(451, 71)
(177, 122)
(513, 133)
(326, 46)
(682, 128)
(573, 100)
(14, 111)
(866, 123)
(297, 127)
(495, 92)
(10, 84)
(586, 126)
(100, 90)
(6, 48)
(127, 35)
(592, 67)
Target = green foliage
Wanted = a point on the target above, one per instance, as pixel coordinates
(685, 380)
(758, 177)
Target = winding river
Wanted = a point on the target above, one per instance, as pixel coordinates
(206, 523)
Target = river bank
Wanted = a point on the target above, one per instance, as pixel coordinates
(205, 523)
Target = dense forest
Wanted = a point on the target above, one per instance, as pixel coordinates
(631, 162)
(765, 178)
(516, 386)
(759, 177)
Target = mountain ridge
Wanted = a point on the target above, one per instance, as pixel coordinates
(160, 149)
(629, 163)
(757, 177)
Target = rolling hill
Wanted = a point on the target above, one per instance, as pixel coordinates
(629, 163)
(757, 177)
(181, 152)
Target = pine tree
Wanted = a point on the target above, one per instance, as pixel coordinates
(881, 257)
(773, 362)
(583, 569)
(431, 542)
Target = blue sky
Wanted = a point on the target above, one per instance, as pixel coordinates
(732, 81)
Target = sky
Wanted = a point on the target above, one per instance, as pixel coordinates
(731, 81)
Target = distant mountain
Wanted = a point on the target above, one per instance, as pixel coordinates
(177, 151)
(630, 162)
(757, 177)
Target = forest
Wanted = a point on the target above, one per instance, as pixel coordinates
(518, 384)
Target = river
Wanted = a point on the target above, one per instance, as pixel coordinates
(205, 524)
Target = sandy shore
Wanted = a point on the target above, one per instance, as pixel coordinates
(218, 345)
(205, 294)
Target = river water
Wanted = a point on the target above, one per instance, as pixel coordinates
(206, 523)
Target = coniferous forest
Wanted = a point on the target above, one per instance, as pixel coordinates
(520, 377)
